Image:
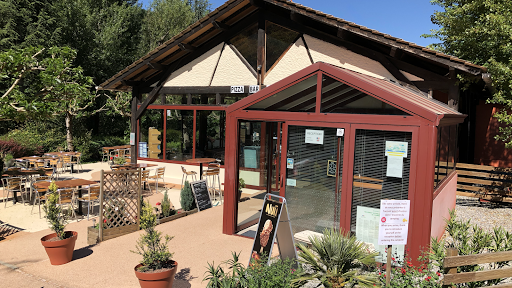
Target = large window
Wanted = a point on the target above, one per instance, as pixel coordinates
(210, 127)
(179, 135)
(151, 137)
(446, 152)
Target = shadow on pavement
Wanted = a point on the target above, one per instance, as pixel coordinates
(182, 278)
(82, 252)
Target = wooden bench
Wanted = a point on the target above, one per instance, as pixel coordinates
(452, 261)
(484, 182)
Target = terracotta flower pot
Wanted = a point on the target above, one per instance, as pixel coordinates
(156, 280)
(61, 251)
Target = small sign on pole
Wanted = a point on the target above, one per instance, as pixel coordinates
(274, 223)
(393, 227)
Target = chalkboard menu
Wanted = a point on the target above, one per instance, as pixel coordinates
(201, 194)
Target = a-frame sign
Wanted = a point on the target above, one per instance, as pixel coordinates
(274, 223)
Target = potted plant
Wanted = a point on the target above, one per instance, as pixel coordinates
(241, 184)
(120, 161)
(59, 245)
(156, 268)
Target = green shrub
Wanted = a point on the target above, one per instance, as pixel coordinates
(279, 273)
(188, 202)
(404, 274)
(54, 215)
(470, 240)
(336, 259)
(48, 134)
(166, 206)
(153, 249)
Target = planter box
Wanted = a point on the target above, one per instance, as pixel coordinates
(173, 217)
(93, 235)
(191, 211)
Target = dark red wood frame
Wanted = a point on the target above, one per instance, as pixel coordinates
(422, 123)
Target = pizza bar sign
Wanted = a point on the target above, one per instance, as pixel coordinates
(237, 89)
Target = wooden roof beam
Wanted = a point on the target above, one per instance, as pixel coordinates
(186, 47)
(157, 66)
(220, 26)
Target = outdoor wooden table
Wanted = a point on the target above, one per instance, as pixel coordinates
(63, 153)
(201, 161)
(116, 147)
(21, 173)
(69, 184)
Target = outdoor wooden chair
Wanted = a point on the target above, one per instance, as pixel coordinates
(66, 162)
(40, 193)
(213, 184)
(105, 154)
(185, 175)
(145, 180)
(127, 153)
(77, 160)
(159, 174)
(12, 185)
(56, 165)
(39, 164)
(92, 196)
(67, 198)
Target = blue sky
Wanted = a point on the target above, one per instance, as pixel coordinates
(406, 19)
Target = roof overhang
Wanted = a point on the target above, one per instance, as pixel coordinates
(217, 25)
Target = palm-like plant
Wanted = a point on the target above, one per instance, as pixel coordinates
(335, 260)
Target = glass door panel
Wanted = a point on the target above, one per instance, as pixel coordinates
(311, 177)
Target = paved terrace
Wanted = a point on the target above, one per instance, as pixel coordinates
(198, 240)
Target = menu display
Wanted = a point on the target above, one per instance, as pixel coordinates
(200, 190)
(267, 227)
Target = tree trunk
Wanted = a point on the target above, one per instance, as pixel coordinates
(69, 134)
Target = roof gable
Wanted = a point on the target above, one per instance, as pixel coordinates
(198, 39)
(389, 92)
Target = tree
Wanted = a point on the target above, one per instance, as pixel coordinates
(480, 31)
(166, 18)
(39, 82)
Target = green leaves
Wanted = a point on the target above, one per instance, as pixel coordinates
(54, 215)
(480, 31)
(335, 260)
(153, 248)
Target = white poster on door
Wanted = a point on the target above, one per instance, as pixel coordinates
(394, 222)
(314, 136)
(395, 166)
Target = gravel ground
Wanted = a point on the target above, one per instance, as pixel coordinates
(486, 215)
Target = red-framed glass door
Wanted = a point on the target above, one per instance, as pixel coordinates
(312, 169)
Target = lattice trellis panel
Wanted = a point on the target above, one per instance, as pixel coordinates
(119, 203)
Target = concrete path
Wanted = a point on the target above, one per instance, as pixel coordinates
(198, 239)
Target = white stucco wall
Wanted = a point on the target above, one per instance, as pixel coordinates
(293, 61)
(198, 72)
(322, 51)
(232, 71)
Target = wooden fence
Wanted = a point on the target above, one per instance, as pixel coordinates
(452, 261)
(484, 182)
(119, 203)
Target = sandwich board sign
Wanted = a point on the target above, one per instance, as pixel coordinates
(274, 223)
(201, 194)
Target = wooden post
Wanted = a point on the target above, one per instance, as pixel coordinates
(133, 124)
(102, 184)
(388, 266)
(451, 270)
(139, 192)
